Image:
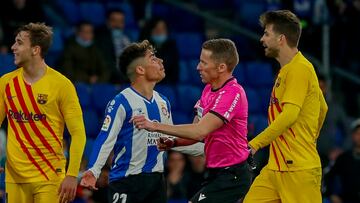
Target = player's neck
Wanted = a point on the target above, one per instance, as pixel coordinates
(34, 71)
(286, 55)
(217, 84)
(143, 88)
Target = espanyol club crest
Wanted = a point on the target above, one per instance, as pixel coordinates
(42, 98)
(164, 110)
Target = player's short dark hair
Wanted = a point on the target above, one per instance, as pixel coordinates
(133, 52)
(39, 34)
(284, 22)
(223, 51)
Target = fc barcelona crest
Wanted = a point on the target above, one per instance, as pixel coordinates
(42, 98)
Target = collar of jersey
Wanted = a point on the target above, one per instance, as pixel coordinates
(137, 93)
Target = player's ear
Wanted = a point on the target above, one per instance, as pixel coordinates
(222, 67)
(35, 50)
(140, 70)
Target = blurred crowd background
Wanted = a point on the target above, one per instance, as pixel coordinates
(89, 35)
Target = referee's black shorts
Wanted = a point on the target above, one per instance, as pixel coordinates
(225, 185)
(141, 188)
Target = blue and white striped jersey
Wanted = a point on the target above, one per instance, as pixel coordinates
(135, 150)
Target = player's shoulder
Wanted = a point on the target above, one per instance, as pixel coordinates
(8, 76)
(233, 86)
(57, 77)
(157, 95)
(302, 61)
(122, 97)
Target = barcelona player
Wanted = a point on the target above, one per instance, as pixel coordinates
(38, 101)
(296, 114)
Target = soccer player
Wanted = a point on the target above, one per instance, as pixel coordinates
(296, 113)
(136, 173)
(222, 113)
(38, 101)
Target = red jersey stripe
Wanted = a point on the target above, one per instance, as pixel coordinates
(37, 110)
(276, 158)
(281, 153)
(32, 124)
(22, 145)
(292, 132)
(23, 129)
(282, 138)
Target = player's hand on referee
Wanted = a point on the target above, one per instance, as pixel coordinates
(88, 180)
(67, 190)
(1, 169)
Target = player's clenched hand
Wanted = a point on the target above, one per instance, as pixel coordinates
(67, 189)
(165, 143)
(88, 180)
(141, 122)
(1, 169)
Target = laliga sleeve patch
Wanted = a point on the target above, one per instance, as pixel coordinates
(106, 124)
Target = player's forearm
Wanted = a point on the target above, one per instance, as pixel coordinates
(283, 122)
(184, 142)
(78, 139)
(187, 131)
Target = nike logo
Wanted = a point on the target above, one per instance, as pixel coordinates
(201, 197)
(11, 97)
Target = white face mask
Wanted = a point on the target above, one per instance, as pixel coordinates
(159, 39)
(117, 32)
(83, 43)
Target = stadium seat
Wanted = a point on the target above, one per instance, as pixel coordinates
(250, 11)
(182, 20)
(70, 10)
(6, 63)
(184, 75)
(93, 12)
(169, 92)
(253, 100)
(188, 96)
(180, 117)
(189, 44)
(83, 92)
(101, 94)
(58, 41)
(259, 74)
(256, 124)
(239, 74)
(91, 122)
(264, 96)
(194, 74)
(160, 10)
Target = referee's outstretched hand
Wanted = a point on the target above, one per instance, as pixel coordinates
(88, 180)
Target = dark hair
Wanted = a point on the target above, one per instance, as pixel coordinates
(39, 34)
(284, 22)
(223, 51)
(114, 10)
(81, 24)
(146, 30)
(132, 52)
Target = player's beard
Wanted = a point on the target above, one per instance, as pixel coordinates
(272, 52)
